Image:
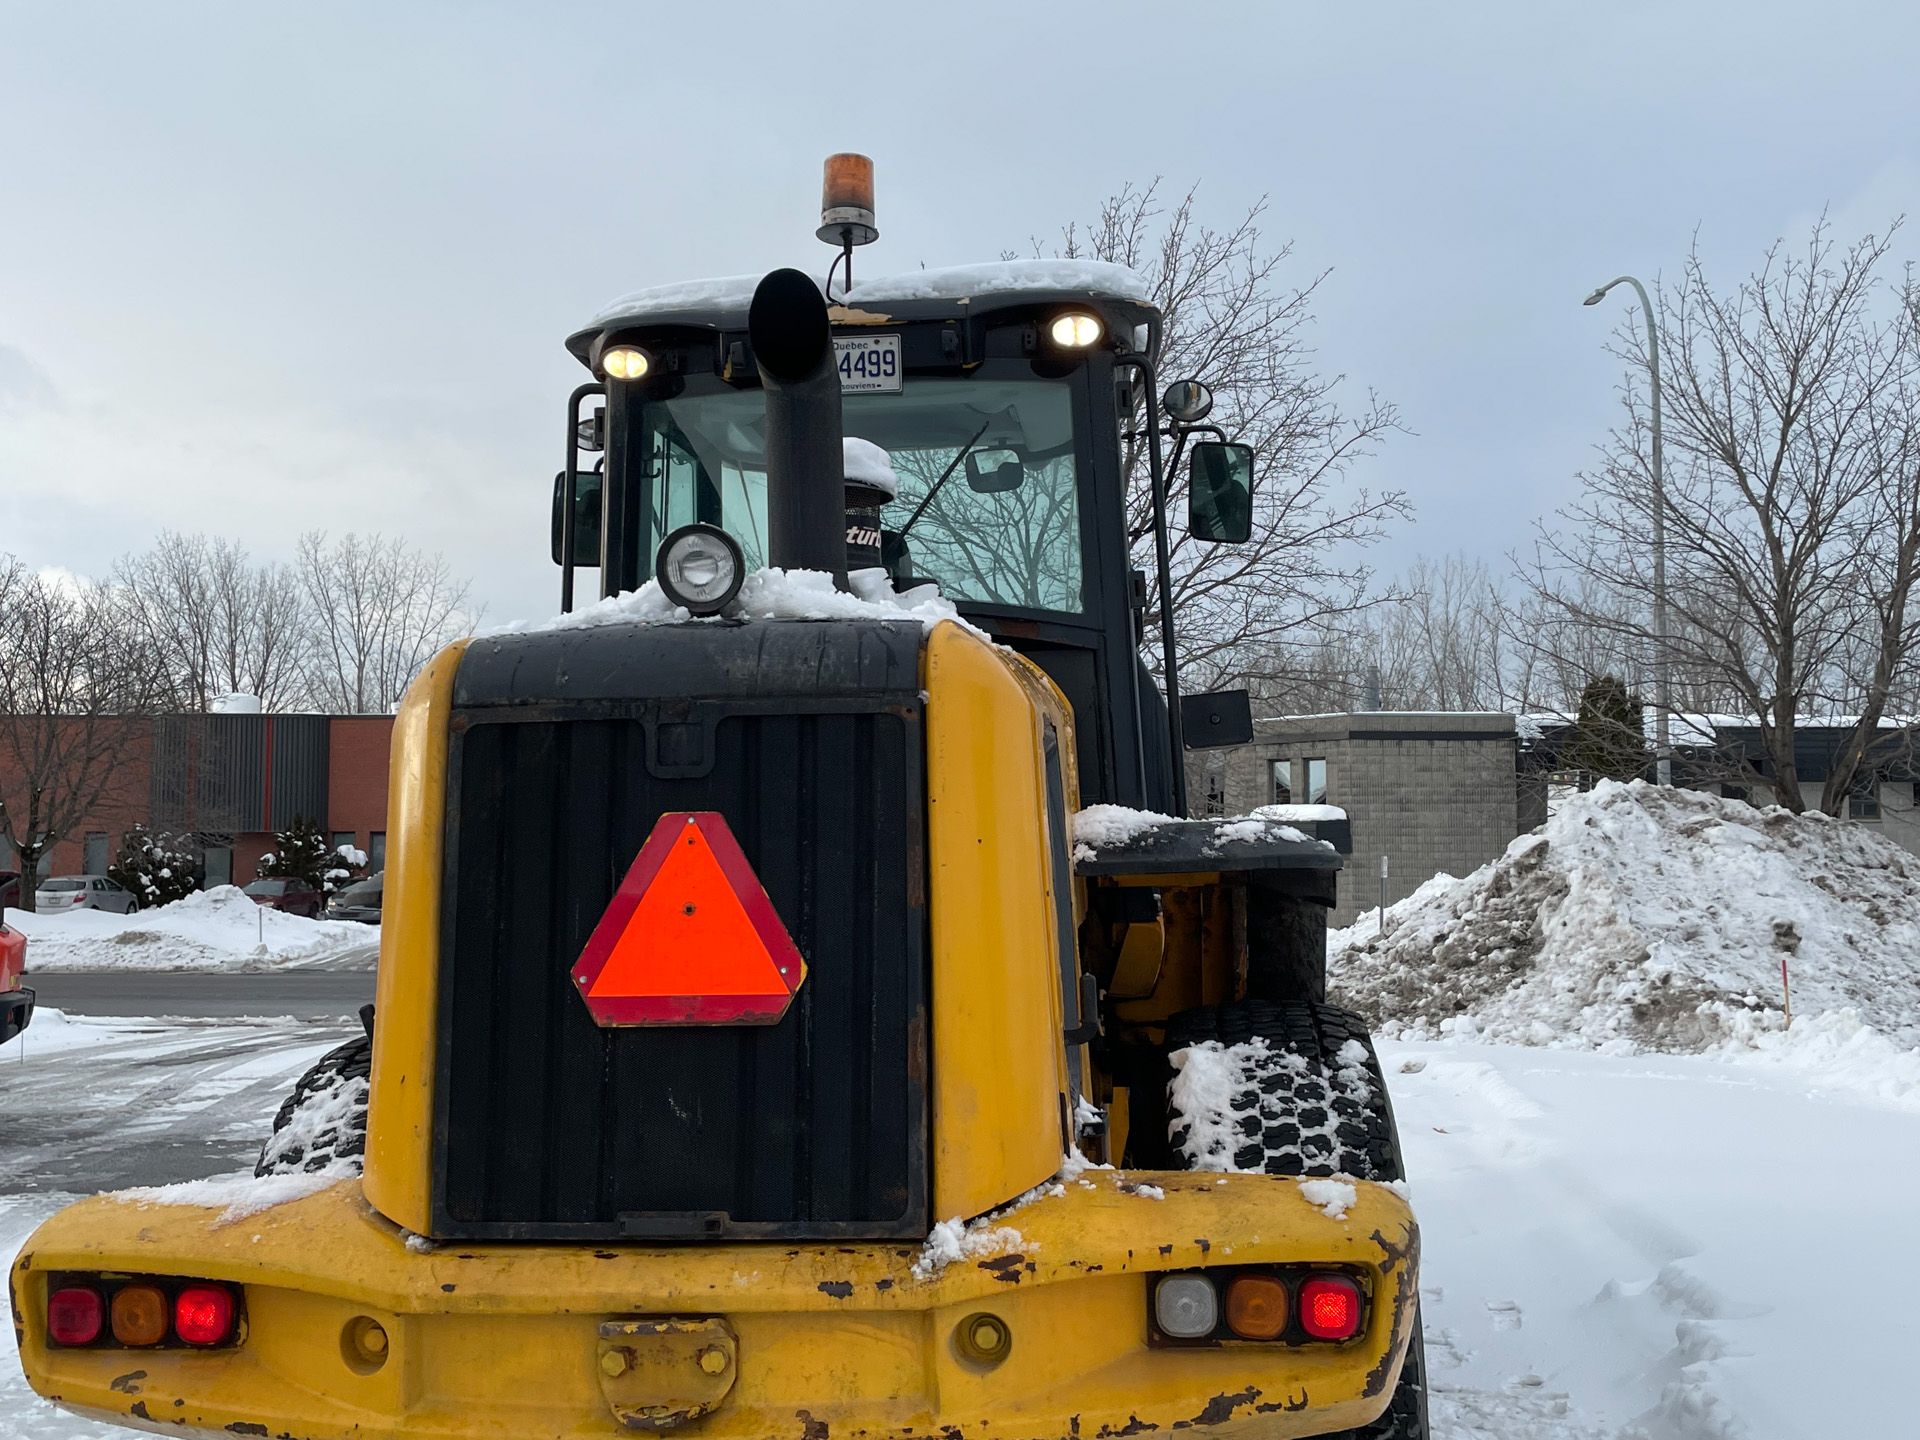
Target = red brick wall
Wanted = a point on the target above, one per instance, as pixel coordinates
(358, 747)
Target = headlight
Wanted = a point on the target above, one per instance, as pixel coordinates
(625, 362)
(1076, 330)
(700, 567)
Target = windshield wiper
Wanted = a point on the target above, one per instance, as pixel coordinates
(965, 451)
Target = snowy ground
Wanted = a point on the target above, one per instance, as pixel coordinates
(1645, 1246)
(218, 929)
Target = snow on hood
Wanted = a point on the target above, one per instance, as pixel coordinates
(1642, 917)
(867, 463)
(769, 594)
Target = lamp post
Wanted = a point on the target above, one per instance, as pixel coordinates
(1662, 745)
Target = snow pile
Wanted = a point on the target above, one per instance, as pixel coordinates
(217, 929)
(953, 1240)
(1102, 827)
(868, 464)
(1643, 917)
(769, 594)
(1251, 1108)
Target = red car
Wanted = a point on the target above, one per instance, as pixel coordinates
(295, 897)
(16, 1001)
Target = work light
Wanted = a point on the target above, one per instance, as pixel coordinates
(1076, 330)
(1186, 1307)
(625, 362)
(700, 567)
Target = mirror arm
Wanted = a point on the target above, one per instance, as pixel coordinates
(569, 495)
(1169, 657)
(945, 475)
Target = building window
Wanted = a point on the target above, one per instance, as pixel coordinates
(377, 851)
(1864, 804)
(1216, 795)
(1282, 782)
(343, 837)
(1316, 781)
(94, 853)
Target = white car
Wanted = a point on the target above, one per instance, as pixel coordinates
(83, 892)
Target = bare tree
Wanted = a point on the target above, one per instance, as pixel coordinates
(380, 610)
(1792, 500)
(73, 680)
(1246, 612)
(220, 622)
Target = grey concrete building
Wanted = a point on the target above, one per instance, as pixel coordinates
(1430, 792)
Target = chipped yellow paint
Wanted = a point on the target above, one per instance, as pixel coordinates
(503, 1339)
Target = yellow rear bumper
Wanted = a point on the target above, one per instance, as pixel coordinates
(833, 1342)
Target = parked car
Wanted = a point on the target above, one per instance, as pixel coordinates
(16, 1001)
(294, 897)
(83, 892)
(359, 901)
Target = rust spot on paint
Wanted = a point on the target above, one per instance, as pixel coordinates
(883, 1284)
(1166, 1249)
(1205, 1245)
(448, 1289)
(246, 1427)
(139, 1410)
(839, 1289)
(1006, 1267)
(1134, 1426)
(810, 1428)
(1220, 1408)
(1402, 1261)
(129, 1383)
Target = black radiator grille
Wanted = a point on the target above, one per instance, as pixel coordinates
(552, 1127)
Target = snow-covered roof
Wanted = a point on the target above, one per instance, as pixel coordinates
(731, 294)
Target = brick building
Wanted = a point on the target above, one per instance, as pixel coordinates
(229, 781)
(1430, 792)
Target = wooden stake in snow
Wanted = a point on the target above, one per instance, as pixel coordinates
(1786, 995)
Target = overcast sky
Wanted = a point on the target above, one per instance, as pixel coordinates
(266, 268)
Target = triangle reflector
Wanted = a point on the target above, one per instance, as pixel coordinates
(690, 936)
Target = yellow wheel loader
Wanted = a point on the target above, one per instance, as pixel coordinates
(802, 1010)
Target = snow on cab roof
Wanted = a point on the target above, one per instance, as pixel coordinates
(958, 283)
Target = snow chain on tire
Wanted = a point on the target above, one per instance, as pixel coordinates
(1311, 1101)
(323, 1123)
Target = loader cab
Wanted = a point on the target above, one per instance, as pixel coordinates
(1005, 396)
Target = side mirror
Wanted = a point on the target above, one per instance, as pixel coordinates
(1220, 492)
(994, 472)
(586, 518)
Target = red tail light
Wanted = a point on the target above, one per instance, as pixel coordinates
(203, 1314)
(1330, 1307)
(75, 1315)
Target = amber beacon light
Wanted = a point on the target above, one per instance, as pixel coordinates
(846, 201)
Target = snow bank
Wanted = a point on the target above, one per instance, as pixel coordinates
(769, 594)
(217, 929)
(1642, 917)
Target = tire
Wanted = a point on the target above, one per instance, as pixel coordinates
(1312, 1106)
(322, 1125)
(1314, 1103)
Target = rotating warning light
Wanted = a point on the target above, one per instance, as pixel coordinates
(690, 936)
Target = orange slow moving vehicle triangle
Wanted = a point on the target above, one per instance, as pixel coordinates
(690, 937)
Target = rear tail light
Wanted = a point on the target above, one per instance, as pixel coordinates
(1186, 1307)
(1330, 1307)
(75, 1315)
(203, 1314)
(139, 1315)
(140, 1312)
(1290, 1305)
(1257, 1307)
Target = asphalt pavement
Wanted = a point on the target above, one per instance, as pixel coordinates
(322, 995)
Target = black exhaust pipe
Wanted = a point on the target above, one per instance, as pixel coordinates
(806, 483)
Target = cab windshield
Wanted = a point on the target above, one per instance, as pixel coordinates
(1002, 527)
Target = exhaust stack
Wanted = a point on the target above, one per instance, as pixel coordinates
(806, 486)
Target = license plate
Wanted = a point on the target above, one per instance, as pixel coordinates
(868, 363)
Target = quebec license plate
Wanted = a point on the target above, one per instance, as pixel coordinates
(868, 363)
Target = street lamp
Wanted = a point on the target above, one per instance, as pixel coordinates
(1662, 745)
